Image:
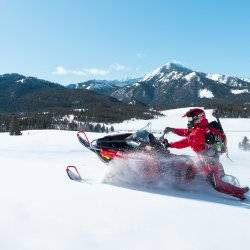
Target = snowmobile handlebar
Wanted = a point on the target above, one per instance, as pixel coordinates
(163, 140)
(165, 132)
(162, 137)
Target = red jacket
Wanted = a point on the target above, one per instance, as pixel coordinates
(195, 137)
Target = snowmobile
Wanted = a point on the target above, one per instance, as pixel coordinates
(126, 146)
(159, 161)
(123, 145)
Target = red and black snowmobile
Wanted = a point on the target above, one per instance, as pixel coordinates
(127, 146)
(183, 168)
(122, 145)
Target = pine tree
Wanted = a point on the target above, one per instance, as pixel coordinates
(245, 140)
(91, 127)
(15, 127)
(98, 128)
(103, 128)
(245, 143)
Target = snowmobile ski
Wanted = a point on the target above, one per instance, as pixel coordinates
(84, 140)
(73, 173)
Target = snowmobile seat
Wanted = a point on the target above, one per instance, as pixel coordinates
(116, 142)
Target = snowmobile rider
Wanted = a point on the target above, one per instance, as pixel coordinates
(195, 137)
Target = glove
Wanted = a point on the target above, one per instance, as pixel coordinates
(166, 143)
(167, 130)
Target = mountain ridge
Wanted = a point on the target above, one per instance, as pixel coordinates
(19, 94)
(170, 86)
(103, 86)
(173, 85)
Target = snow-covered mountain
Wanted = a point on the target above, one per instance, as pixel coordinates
(229, 80)
(100, 86)
(174, 85)
(103, 86)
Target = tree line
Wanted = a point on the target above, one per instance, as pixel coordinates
(15, 124)
(90, 121)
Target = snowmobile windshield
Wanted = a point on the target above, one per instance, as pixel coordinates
(140, 136)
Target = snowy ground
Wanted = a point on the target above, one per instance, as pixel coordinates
(42, 209)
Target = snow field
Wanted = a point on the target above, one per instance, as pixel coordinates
(42, 209)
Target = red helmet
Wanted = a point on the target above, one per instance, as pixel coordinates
(195, 112)
(195, 116)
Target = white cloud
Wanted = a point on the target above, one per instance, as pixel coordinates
(60, 70)
(96, 72)
(82, 72)
(117, 67)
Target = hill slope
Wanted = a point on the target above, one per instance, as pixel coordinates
(28, 94)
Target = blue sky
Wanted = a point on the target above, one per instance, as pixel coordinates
(71, 41)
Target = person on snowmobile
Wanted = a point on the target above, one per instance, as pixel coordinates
(195, 137)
